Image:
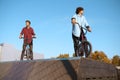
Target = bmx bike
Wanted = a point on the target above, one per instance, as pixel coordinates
(27, 53)
(84, 47)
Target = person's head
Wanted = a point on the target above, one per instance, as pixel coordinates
(27, 22)
(79, 10)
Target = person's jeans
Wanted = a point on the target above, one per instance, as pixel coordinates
(76, 44)
(24, 48)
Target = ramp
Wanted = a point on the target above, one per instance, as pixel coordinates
(57, 69)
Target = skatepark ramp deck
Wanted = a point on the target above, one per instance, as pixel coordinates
(58, 69)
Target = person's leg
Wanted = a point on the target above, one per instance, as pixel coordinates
(76, 44)
(31, 50)
(23, 51)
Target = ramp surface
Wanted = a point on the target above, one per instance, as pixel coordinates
(57, 69)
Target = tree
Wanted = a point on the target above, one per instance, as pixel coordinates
(63, 56)
(116, 60)
(100, 56)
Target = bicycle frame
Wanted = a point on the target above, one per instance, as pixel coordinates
(82, 29)
(82, 35)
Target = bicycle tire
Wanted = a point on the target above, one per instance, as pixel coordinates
(28, 54)
(87, 48)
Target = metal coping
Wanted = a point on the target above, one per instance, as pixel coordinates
(71, 58)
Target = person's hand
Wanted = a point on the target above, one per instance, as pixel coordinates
(89, 29)
(33, 36)
(20, 36)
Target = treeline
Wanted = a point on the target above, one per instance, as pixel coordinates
(98, 56)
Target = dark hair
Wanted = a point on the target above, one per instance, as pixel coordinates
(28, 21)
(78, 9)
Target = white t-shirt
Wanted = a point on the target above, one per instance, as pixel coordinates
(82, 21)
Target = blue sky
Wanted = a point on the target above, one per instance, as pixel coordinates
(51, 22)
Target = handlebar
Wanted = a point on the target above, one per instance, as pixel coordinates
(27, 38)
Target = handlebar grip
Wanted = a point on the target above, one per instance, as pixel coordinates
(33, 37)
(21, 37)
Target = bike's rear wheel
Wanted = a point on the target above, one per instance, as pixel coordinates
(87, 48)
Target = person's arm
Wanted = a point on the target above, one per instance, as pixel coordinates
(21, 34)
(87, 25)
(73, 21)
(33, 34)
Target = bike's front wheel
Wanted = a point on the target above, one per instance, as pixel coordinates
(27, 54)
(87, 47)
